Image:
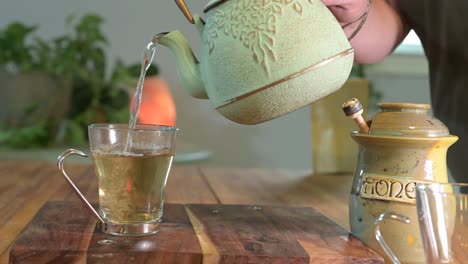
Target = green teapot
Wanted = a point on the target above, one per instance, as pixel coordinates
(261, 59)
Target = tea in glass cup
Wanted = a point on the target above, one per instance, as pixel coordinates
(132, 166)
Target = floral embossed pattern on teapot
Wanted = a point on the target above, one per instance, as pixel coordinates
(261, 59)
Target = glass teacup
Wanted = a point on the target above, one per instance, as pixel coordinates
(132, 166)
(443, 221)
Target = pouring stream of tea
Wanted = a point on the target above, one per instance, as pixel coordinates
(148, 55)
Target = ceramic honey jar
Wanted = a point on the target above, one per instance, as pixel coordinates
(404, 146)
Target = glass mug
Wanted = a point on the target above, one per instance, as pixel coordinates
(443, 222)
(132, 166)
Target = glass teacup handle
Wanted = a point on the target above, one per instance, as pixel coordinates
(184, 8)
(378, 234)
(60, 161)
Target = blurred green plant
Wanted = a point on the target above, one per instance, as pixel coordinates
(80, 55)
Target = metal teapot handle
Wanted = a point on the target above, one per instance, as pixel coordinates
(183, 7)
(378, 234)
(363, 19)
(60, 161)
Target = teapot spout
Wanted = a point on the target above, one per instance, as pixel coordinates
(188, 67)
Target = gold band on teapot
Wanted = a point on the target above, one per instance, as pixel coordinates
(289, 77)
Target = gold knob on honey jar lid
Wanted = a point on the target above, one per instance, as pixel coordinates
(406, 120)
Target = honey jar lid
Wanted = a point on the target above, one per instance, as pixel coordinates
(407, 120)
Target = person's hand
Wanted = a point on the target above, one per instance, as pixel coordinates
(347, 12)
(374, 28)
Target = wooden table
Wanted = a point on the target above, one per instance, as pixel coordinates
(26, 186)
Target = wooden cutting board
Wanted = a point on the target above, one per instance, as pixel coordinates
(65, 232)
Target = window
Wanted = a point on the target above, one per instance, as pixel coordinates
(411, 45)
(412, 39)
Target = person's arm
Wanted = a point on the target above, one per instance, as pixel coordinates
(381, 33)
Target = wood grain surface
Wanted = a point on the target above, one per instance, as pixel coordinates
(328, 193)
(273, 234)
(65, 232)
(25, 187)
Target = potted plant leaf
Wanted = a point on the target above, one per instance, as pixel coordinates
(52, 89)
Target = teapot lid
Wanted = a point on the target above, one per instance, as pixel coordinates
(213, 4)
(407, 120)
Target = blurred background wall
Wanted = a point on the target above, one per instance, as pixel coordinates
(281, 143)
